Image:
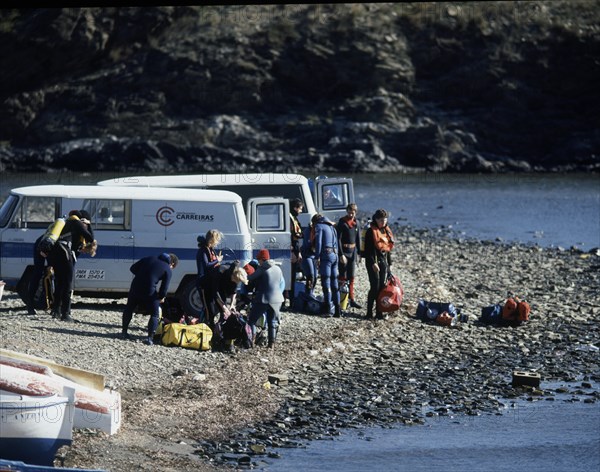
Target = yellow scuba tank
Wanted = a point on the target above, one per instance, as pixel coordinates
(54, 230)
(344, 289)
(51, 235)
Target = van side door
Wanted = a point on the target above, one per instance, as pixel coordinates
(332, 196)
(269, 224)
(109, 269)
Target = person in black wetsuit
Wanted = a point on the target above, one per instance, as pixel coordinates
(296, 207)
(379, 242)
(148, 271)
(62, 258)
(349, 243)
(208, 262)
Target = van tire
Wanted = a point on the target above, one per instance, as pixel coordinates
(189, 297)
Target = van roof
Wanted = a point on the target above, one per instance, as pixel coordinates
(135, 193)
(206, 179)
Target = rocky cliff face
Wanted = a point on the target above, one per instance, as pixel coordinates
(351, 88)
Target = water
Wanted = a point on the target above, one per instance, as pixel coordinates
(548, 210)
(538, 436)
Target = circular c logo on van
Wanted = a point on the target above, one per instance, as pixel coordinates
(164, 216)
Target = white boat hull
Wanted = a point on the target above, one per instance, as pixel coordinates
(93, 408)
(33, 428)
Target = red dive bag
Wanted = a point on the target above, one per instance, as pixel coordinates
(390, 297)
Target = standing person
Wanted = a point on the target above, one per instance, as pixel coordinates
(268, 296)
(62, 258)
(208, 262)
(349, 243)
(379, 242)
(148, 272)
(309, 262)
(326, 245)
(296, 207)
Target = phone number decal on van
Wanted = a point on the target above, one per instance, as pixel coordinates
(89, 274)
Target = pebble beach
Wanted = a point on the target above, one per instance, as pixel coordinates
(187, 410)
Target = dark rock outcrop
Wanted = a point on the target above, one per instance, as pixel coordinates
(355, 88)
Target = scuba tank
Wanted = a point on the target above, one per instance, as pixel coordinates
(51, 235)
(363, 234)
(344, 292)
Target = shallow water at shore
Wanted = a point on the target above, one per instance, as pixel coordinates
(533, 436)
(543, 209)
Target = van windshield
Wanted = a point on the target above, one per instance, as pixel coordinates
(7, 208)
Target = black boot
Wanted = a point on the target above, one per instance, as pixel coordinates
(353, 304)
(338, 312)
(30, 309)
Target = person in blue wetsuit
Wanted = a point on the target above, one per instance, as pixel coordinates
(268, 294)
(148, 272)
(326, 247)
(309, 263)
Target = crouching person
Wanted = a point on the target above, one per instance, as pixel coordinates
(267, 279)
(148, 272)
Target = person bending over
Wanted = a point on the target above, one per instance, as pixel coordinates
(144, 291)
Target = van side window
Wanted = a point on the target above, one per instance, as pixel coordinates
(109, 214)
(335, 196)
(35, 212)
(270, 216)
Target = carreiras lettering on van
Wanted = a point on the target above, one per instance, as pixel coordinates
(166, 216)
(194, 216)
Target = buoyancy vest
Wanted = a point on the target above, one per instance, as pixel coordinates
(383, 238)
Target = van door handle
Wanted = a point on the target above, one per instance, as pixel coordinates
(127, 237)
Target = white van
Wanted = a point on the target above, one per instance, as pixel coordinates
(328, 196)
(133, 222)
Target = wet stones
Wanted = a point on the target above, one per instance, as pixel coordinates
(403, 371)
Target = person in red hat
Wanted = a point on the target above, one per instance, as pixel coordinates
(268, 295)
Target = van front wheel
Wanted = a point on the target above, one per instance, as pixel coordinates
(190, 299)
